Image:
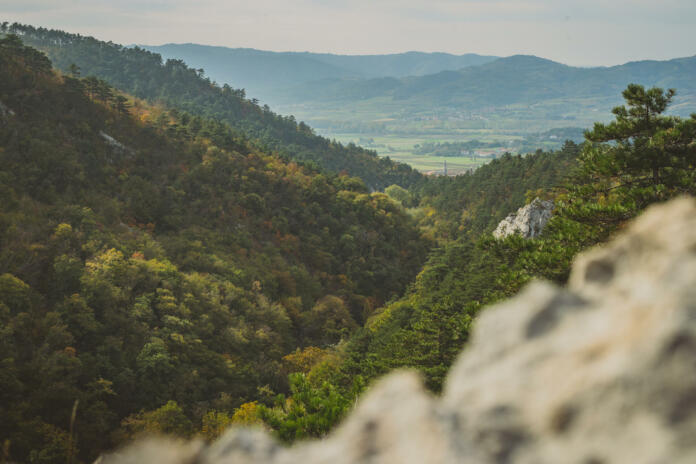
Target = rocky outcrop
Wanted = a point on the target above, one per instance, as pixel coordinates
(528, 221)
(5, 111)
(603, 371)
(115, 144)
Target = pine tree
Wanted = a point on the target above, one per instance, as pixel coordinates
(121, 104)
(92, 85)
(74, 70)
(639, 158)
(104, 92)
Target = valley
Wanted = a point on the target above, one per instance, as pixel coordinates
(256, 239)
(393, 103)
(394, 132)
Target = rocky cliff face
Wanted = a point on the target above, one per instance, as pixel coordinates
(601, 372)
(528, 221)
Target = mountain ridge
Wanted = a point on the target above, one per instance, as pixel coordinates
(262, 72)
(518, 79)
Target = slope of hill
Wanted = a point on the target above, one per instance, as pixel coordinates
(428, 326)
(474, 203)
(265, 75)
(260, 73)
(555, 375)
(144, 75)
(152, 258)
(613, 178)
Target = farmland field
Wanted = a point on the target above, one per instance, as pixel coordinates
(397, 132)
(401, 148)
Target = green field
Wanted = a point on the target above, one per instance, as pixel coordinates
(435, 164)
(400, 148)
(393, 130)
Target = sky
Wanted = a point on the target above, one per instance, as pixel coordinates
(575, 32)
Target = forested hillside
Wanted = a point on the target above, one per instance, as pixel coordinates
(428, 327)
(641, 158)
(154, 260)
(474, 203)
(168, 267)
(144, 75)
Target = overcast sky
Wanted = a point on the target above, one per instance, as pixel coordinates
(577, 32)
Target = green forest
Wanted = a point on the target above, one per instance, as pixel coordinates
(176, 259)
(144, 75)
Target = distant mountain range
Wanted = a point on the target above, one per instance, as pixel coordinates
(416, 83)
(264, 74)
(515, 80)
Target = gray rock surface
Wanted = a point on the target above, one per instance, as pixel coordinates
(118, 146)
(528, 221)
(601, 372)
(5, 111)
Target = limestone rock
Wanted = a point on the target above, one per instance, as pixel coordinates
(528, 221)
(5, 111)
(156, 450)
(601, 372)
(115, 144)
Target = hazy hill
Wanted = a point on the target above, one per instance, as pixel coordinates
(258, 72)
(403, 64)
(264, 74)
(515, 80)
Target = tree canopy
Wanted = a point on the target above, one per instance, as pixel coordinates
(145, 75)
(156, 266)
(163, 270)
(640, 158)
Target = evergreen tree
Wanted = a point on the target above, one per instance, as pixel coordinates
(121, 104)
(74, 70)
(639, 158)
